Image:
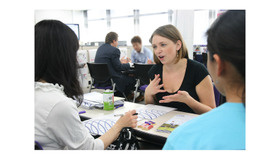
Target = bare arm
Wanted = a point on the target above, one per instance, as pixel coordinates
(205, 92)
(128, 120)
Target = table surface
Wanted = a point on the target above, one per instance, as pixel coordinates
(97, 113)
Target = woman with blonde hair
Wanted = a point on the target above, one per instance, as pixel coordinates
(176, 80)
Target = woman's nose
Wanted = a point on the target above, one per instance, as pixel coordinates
(157, 50)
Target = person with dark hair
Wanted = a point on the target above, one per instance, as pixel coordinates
(176, 80)
(110, 54)
(140, 54)
(222, 128)
(112, 37)
(57, 91)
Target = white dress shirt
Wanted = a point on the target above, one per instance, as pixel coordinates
(142, 56)
(57, 121)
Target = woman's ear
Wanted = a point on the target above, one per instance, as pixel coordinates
(220, 64)
(178, 45)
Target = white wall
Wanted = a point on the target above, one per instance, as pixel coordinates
(184, 21)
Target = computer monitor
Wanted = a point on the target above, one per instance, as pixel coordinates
(75, 28)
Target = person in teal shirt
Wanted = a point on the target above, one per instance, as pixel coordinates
(222, 128)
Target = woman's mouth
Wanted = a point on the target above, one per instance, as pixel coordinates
(160, 57)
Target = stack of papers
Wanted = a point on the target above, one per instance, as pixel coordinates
(95, 100)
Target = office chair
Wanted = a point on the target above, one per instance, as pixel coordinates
(194, 55)
(100, 74)
(142, 77)
(38, 146)
(204, 59)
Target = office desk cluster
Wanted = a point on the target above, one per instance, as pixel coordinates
(151, 135)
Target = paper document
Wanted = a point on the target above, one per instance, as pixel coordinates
(174, 122)
(150, 111)
(101, 125)
(98, 97)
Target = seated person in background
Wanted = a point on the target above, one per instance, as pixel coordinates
(140, 54)
(108, 53)
(222, 128)
(176, 80)
(57, 121)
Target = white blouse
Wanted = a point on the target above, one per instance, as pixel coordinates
(57, 121)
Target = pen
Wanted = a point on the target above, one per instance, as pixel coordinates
(81, 112)
(118, 106)
(123, 114)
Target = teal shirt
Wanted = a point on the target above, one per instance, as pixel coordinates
(222, 128)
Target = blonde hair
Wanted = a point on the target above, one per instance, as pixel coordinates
(172, 33)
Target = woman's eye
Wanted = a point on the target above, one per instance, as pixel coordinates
(163, 45)
(154, 47)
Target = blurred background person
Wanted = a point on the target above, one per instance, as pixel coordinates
(110, 54)
(140, 54)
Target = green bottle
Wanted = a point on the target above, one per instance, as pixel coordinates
(108, 100)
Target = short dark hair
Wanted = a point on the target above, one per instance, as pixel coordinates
(226, 37)
(110, 37)
(56, 48)
(136, 39)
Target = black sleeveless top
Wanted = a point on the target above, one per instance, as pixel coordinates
(195, 73)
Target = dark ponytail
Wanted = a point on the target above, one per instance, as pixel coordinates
(226, 37)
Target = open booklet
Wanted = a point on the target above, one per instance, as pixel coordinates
(174, 122)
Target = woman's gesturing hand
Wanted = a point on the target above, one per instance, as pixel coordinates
(180, 96)
(154, 86)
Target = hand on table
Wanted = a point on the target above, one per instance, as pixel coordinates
(125, 60)
(128, 120)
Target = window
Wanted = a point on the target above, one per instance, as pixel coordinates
(147, 26)
(97, 30)
(97, 25)
(125, 23)
(124, 28)
(201, 24)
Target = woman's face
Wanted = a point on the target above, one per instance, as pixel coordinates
(164, 49)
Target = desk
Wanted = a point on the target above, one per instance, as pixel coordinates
(95, 113)
(150, 135)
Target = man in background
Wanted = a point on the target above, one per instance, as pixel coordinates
(108, 53)
(140, 54)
